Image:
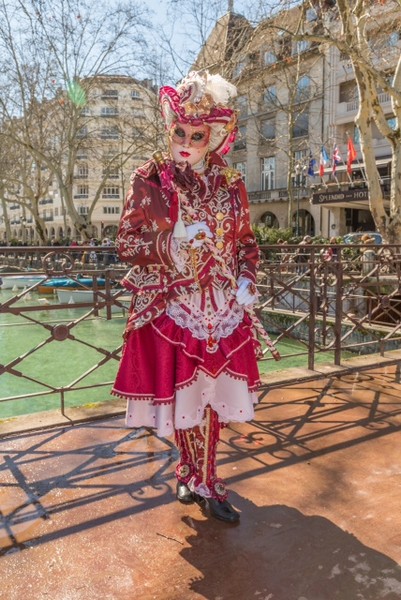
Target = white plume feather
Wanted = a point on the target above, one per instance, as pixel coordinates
(220, 89)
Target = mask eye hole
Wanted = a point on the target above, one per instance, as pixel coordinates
(198, 136)
(179, 132)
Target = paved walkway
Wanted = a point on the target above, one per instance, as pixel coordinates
(89, 511)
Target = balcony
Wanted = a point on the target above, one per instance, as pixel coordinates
(278, 194)
(346, 111)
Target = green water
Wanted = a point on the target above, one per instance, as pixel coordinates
(79, 363)
(49, 363)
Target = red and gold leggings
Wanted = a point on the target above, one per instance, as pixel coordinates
(197, 466)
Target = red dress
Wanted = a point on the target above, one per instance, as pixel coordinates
(187, 342)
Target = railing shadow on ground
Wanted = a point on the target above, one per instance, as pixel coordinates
(69, 472)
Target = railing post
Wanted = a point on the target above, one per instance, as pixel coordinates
(312, 308)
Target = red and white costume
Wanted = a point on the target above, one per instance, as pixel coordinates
(189, 361)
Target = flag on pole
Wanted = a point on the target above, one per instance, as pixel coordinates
(311, 167)
(351, 155)
(324, 159)
(336, 158)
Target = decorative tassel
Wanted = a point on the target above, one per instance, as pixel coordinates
(179, 231)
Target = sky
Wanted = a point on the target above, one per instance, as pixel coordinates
(182, 32)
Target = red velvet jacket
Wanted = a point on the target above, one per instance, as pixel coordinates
(145, 236)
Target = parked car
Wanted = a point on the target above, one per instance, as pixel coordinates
(363, 237)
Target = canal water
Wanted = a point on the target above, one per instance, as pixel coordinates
(54, 364)
(79, 363)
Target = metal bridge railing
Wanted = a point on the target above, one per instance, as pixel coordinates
(62, 350)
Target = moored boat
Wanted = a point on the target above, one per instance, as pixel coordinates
(9, 282)
(74, 296)
(81, 283)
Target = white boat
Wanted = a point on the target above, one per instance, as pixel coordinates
(9, 282)
(72, 296)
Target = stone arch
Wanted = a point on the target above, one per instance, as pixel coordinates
(270, 220)
(303, 223)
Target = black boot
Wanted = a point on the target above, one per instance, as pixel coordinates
(219, 510)
(184, 494)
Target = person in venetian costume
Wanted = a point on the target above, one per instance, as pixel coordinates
(189, 361)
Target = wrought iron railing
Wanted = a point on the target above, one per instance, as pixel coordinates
(61, 349)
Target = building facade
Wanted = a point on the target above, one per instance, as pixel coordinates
(117, 132)
(296, 101)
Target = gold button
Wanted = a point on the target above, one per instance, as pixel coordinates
(219, 216)
(219, 231)
(219, 245)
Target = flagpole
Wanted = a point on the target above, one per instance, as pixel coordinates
(362, 169)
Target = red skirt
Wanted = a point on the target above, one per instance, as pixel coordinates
(160, 358)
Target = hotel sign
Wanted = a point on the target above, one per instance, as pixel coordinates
(345, 196)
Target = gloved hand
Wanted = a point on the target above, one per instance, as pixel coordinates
(246, 292)
(197, 232)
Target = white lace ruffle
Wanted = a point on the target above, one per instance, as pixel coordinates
(206, 320)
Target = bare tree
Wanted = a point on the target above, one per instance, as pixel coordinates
(367, 32)
(52, 56)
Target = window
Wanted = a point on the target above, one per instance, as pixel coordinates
(82, 191)
(110, 95)
(239, 67)
(301, 162)
(393, 39)
(136, 133)
(348, 91)
(268, 129)
(85, 111)
(82, 171)
(242, 104)
(241, 167)
(111, 172)
(300, 46)
(268, 168)
(240, 142)
(83, 210)
(270, 97)
(270, 220)
(303, 89)
(311, 15)
(56, 211)
(392, 123)
(135, 95)
(111, 191)
(109, 111)
(111, 210)
(82, 155)
(283, 45)
(269, 58)
(301, 125)
(82, 132)
(110, 133)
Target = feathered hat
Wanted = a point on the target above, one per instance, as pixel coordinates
(201, 98)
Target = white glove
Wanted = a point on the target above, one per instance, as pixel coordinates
(246, 292)
(194, 229)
